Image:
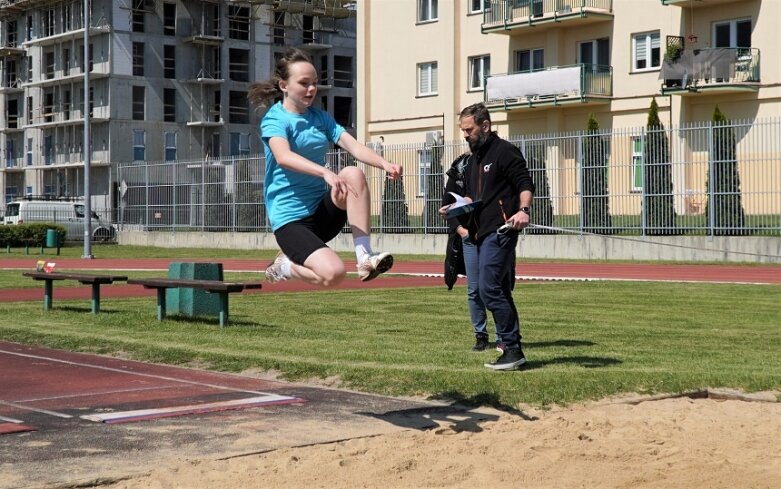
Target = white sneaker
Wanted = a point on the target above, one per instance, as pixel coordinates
(374, 265)
(274, 272)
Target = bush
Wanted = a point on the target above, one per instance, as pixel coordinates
(33, 234)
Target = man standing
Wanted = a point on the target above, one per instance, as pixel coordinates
(498, 177)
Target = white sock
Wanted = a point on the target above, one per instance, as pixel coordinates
(363, 248)
(285, 265)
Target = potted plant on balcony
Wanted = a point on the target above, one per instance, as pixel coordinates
(671, 57)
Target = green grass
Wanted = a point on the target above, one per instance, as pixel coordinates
(584, 340)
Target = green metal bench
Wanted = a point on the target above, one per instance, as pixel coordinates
(85, 278)
(223, 289)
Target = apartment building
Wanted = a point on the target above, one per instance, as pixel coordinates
(542, 66)
(167, 81)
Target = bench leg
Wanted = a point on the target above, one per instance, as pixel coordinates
(223, 309)
(95, 298)
(48, 292)
(161, 303)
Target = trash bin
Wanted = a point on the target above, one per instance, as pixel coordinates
(51, 238)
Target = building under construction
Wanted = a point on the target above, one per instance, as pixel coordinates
(168, 81)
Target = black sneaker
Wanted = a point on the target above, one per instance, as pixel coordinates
(511, 359)
(481, 342)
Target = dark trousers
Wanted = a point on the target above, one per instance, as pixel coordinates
(496, 257)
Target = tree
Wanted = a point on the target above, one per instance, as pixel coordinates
(435, 187)
(596, 216)
(658, 208)
(395, 211)
(542, 215)
(250, 211)
(723, 182)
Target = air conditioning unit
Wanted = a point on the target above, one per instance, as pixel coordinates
(434, 137)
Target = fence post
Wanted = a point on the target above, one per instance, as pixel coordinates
(644, 196)
(711, 174)
(146, 201)
(579, 167)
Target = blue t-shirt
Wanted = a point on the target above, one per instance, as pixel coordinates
(291, 195)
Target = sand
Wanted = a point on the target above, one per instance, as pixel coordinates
(664, 443)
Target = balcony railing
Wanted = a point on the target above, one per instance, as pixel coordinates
(555, 85)
(712, 69)
(505, 15)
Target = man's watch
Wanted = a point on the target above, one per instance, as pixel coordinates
(527, 210)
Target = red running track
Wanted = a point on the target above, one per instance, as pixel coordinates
(404, 274)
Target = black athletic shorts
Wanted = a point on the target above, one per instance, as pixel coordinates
(299, 239)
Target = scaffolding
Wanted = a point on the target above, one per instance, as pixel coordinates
(338, 9)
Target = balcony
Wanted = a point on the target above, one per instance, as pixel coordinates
(512, 16)
(551, 87)
(712, 70)
(100, 27)
(695, 3)
(337, 9)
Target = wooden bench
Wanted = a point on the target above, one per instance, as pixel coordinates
(85, 278)
(212, 286)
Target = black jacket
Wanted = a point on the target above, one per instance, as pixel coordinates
(496, 175)
(456, 183)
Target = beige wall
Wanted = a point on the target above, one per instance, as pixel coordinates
(391, 45)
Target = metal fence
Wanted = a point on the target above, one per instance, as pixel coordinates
(697, 179)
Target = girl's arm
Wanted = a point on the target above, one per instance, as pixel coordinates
(362, 153)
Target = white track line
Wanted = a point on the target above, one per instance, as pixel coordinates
(142, 413)
(28, 408)
(11, 420)
(140, 374)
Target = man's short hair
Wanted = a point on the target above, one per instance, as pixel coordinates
(478, 111)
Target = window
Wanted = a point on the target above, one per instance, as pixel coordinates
(323, 76)
(528, 60)
(343, 71)
(169, 104)
(66, 61)
(427, 10)
(637, 164)
(66, 104)
(137, 15)
(169, 19)
(138, 59)
(477, 6)
(9, 155)
(169, 61)
(479, 69)
(595, 52)
(139, 145)
(170, 146)
(732, 34)
(12, 114)
(238, 22)
(49, 22)
(49, 69)
(66, 17)
(29, 151)
(427, 79)
(424, 168)
(139, 103)
(48, 107)
(239, 144)
(308, 29)
(214, 149)
(238, 64)
(216, 112)
(30, 110)
(278, 34)
(238, 109)
(646, 51)
(10, 34)
(343, 111)
(48, 150)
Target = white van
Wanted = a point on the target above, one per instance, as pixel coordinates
(66, 213)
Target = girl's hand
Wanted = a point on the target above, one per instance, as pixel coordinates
(394, 171)
(339, 185)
